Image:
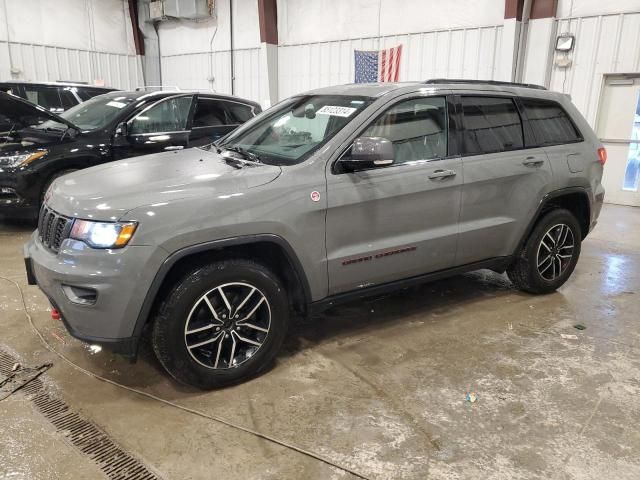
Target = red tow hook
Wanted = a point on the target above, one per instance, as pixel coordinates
(55, 314)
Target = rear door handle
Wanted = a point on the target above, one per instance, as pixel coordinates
(174, 147)
(533, 162)
(442, 174)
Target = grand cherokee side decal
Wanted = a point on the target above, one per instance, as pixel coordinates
(378, 255)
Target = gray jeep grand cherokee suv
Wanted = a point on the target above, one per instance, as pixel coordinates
(338, 193)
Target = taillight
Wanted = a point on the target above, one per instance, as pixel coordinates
(602, 155)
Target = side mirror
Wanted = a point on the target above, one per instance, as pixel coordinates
(120, 137)
(369, 152)
(121, 129)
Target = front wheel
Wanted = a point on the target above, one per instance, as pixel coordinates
(549, 255)
(221, 324)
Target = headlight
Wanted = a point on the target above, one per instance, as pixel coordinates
(103, 234)
(21, 159)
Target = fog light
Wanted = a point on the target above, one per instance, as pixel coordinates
(80, 295)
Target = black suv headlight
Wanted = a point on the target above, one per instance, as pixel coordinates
(21, 159)
(103, 234)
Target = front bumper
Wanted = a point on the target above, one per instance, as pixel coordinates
(13, 202)
(119, 277)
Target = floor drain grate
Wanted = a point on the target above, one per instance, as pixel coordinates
(81, 433)
(7, 362)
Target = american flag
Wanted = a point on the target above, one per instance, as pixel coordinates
(377, 66)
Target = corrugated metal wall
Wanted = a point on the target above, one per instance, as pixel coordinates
(45, 63)
(192, 70)
(604, 44)
(455, 53)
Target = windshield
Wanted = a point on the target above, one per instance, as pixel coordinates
(93, 114)
(295, 128)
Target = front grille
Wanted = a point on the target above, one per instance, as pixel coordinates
(53, 228)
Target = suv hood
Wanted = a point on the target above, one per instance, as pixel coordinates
(109, 191)
(20, 111)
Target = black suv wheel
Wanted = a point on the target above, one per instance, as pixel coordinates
(221, 324)
(550, 254)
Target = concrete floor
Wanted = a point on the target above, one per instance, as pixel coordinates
(377, 386)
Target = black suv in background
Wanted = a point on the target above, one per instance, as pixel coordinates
(55, 97)
(40, 146)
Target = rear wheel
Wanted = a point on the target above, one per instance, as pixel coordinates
(221, 324)
(549, 255)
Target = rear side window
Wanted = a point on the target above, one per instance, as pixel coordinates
(550, 123)
(238, 112)
(209, 113)
(68, 100)
(491, 124)
(166, 116)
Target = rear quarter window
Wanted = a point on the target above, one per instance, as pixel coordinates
(550, 123)
(238, 112)
(210, 112)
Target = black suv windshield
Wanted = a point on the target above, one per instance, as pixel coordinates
(93, 114)
(295, 128)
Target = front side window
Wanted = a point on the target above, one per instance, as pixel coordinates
(550, 123)
(491, 124)
(169, 115)
(417, 128)
(296, 127)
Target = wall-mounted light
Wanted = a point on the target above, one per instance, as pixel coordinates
(565, 43)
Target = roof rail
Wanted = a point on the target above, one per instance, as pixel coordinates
(437, 81)
(157, 88)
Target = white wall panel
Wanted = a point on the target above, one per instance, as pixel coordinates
(50, 64)
(583, 8)
(191, 71)
(604, 44)
(193, 52)
(99, 25)
(82, 40)
(307, 21)
(455, 53)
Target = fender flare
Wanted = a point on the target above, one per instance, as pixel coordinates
(546, 200)
(178, 255)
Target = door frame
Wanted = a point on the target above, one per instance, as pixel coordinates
(605, 77)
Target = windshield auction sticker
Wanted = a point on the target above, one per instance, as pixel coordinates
(336, 111)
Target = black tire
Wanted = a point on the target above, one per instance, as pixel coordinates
(524, 272)
(52, 179)
(186, 303)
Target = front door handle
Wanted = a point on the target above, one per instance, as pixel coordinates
(532, 162)
(437, 174)
(174, 147)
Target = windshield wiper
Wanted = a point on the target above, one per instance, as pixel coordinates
(245, 153)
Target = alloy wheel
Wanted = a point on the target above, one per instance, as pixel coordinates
(555, 251)
(227, 325)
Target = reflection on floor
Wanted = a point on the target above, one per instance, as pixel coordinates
(379, 386)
